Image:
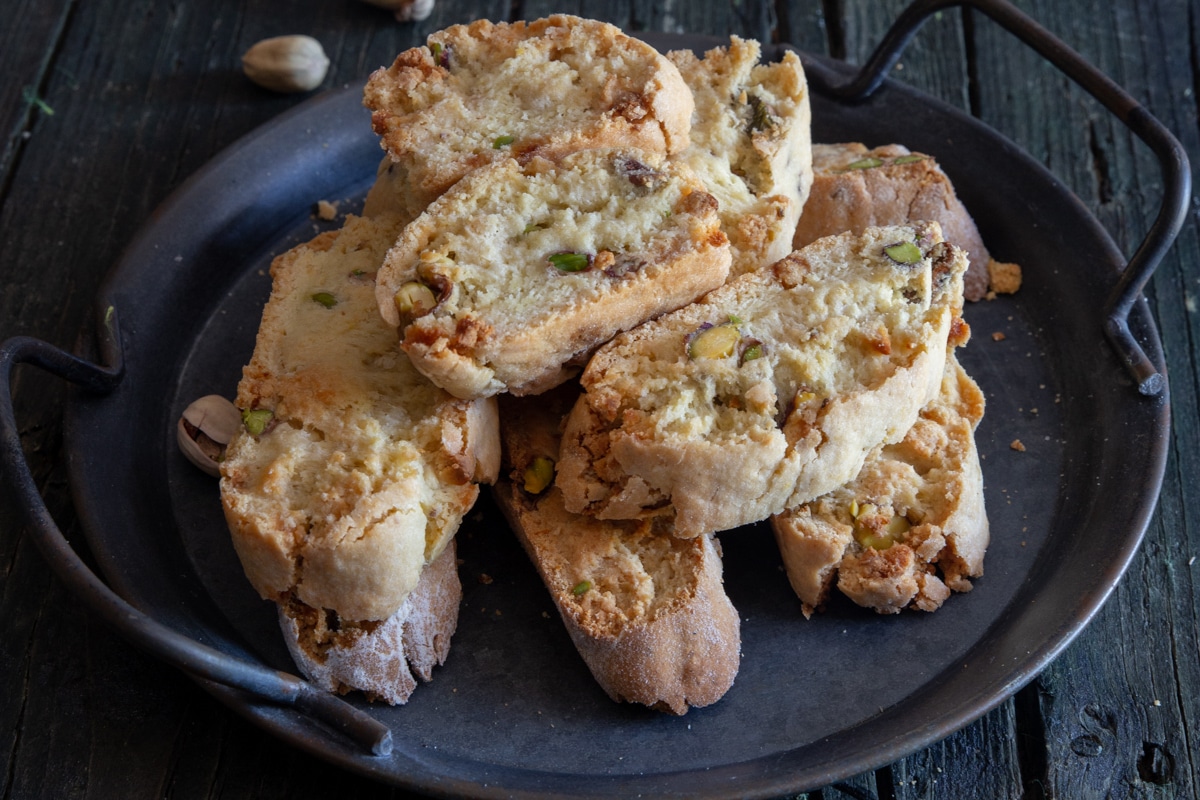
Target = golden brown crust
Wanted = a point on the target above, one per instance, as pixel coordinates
(646, 610)
(903, 187)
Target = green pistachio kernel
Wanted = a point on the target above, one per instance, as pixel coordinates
(571, 262)
(256, 420)
(539, 475)
(903, 252)
(718, 341)
(325, 299)
(865, 163)
(502, 141)
(909, 159)
(752, 351)
(581, 588)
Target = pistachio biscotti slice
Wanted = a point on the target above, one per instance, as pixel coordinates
(645, 609)
(512, 278)
(769, 391)
(751, 145)
(352, 471)
(855, 188)
(910, 527)
(487, 91)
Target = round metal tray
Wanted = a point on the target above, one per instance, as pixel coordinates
(514, 712)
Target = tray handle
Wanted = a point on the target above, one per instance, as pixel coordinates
(143, 631)
(1172, 158)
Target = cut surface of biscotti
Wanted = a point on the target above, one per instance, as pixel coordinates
(855, 188)
(769, 391)
(486, 91)
(509, 280)
(352, 471)
(751, 145)
(646, 610)
(910, 527)
(383, 659)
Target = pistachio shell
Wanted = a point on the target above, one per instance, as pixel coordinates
(204, 429)
(286, 63)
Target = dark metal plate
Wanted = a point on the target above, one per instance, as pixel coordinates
(514, 711)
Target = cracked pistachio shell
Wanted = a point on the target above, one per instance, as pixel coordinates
(286, 63)
(204, 429)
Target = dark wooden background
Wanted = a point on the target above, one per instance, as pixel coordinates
(105, 107)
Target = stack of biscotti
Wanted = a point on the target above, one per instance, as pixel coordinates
(549, 215)
(351, 474)
(751, 145)
(910, 527)
(646, 609)
(931, 506)
(769, 391)
(562, 206)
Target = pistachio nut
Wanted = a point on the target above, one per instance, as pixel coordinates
(286, 63)
(205, 428)
(406, 10)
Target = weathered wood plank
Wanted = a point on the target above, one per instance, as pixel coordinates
(28, 39)
(934, 62)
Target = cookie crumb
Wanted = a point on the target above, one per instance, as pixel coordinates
(1004, 278)
(1016, 445)
(326, 210)
(485, 579)
(998, 337)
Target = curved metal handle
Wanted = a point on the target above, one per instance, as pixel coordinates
(140, 629)
(1172, 158)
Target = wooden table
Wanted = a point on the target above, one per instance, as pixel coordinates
(107, 107)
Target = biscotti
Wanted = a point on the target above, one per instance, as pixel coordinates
(512, 278)
(484, 92)
(910, 527)
(352, 471)
(855, 188)
(646, 610)
(771, 390)
(751, 145)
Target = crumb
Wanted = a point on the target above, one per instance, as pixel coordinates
(499, 613)
(998, 337)
(326, 210)
(485, 579)
(1004, 278)
(1016, 445)
(545, 615)
(990, 295)
(1158, 702)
